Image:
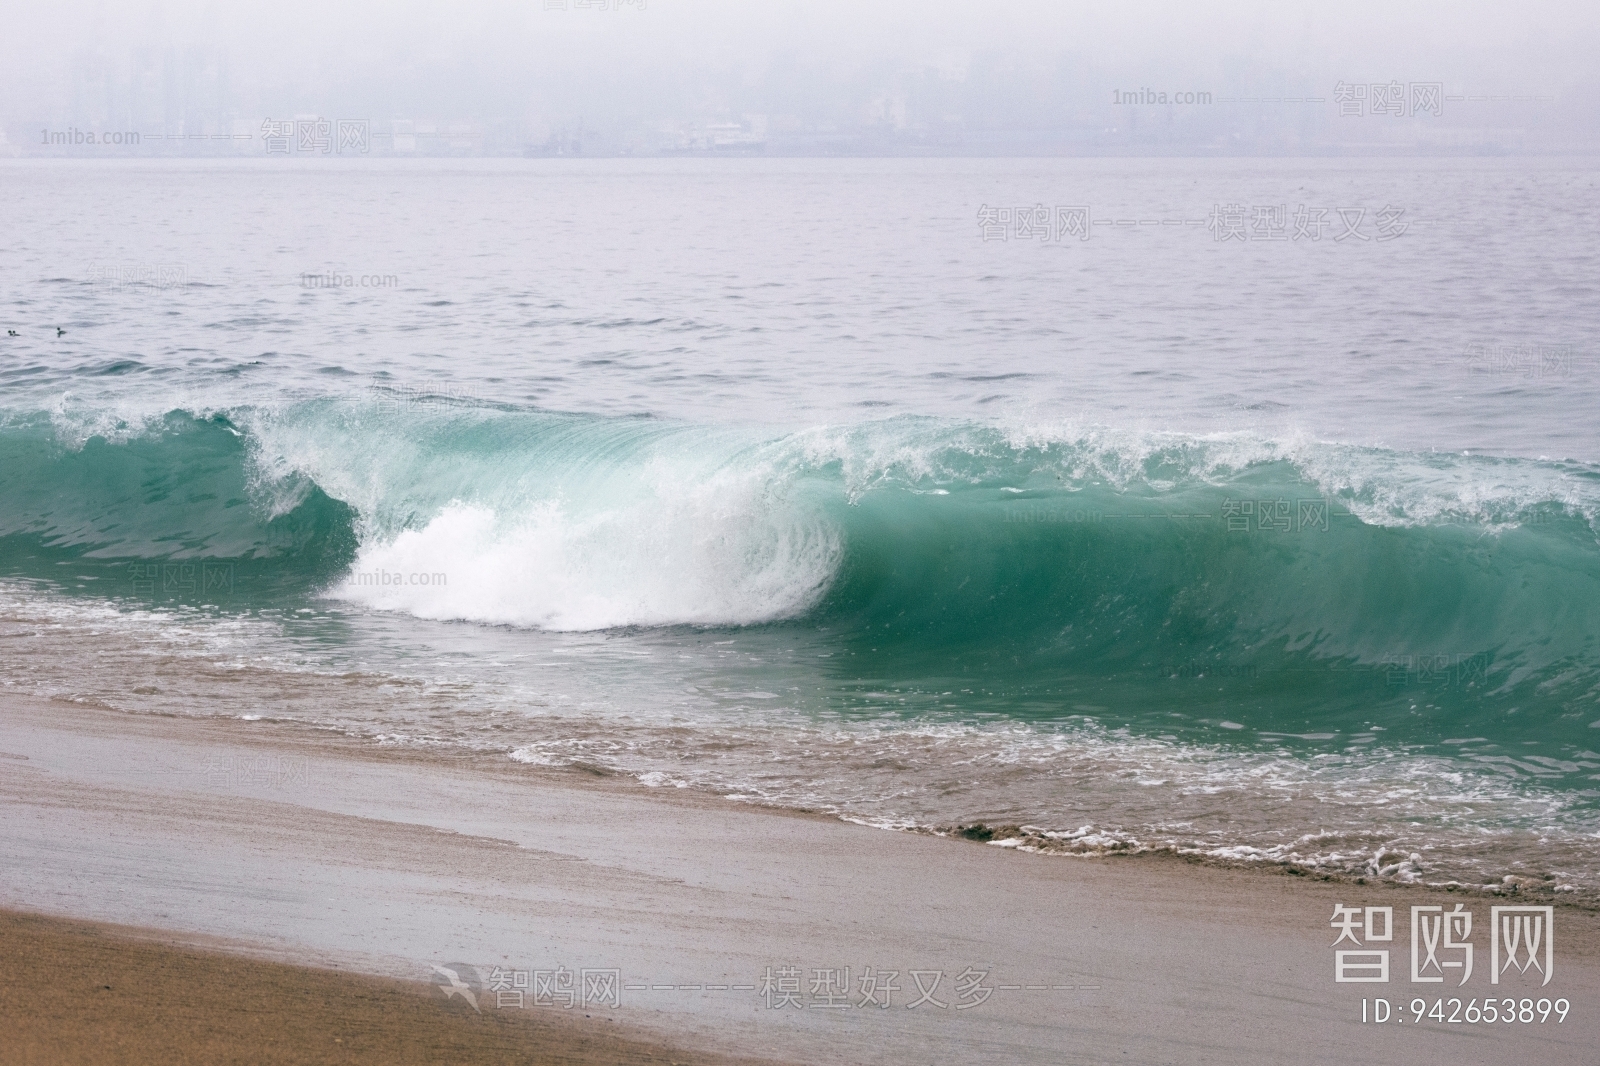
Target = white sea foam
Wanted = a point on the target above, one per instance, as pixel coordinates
(1379, 486)
(706, 558)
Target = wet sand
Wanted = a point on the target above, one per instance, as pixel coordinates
(88, 994)
(722, 929)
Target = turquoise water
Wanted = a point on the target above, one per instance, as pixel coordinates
(1096, 603)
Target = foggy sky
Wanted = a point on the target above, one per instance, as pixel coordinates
(1012, 63)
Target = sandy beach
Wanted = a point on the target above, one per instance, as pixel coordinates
(86, 993)
(680, 920)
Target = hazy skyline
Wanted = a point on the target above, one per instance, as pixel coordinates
(644, 77)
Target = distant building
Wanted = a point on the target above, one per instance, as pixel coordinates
(723, 138)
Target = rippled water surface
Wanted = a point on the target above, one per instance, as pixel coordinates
(776, 478)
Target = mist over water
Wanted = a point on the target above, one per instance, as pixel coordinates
(777, 478)
(822, 77)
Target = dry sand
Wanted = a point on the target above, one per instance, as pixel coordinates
(294, 846)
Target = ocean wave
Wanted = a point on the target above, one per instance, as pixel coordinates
(1446, 588)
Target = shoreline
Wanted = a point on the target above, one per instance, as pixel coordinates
(289, 733)
(386, 862)
(1086, 785)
